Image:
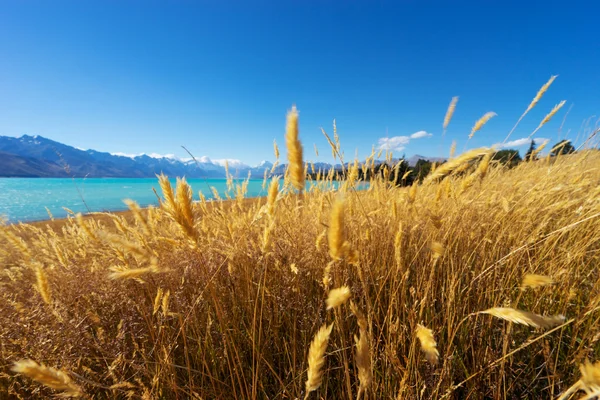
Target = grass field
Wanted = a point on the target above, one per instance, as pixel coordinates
(481, 282)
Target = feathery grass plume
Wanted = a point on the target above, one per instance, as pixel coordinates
(450, 112)
(331, 144)
(316, 150)
(17, 242)
(452, 149)
(481, 122)
(484, 164)
(548, 117)
(264, 182)
(535, 100)
(294, 150)
(337, 297)
(42, 285)
(184, 196)
(85, 228)
(275, 149)
(589, 382)
(398, 245)
(525, 317)
(167, 190)
(179, 205)
(455, 163)
(353, 173)
(130, 273)
(540, 93)
(319, 239)
(267, 237)
(157, 300)
(336, 138)
(538, 150)
(51, 377)
(534, 281)
(49, 214)
(316, 359)
(137, 214)
(412, 192)
(437, 249)
(165, 303)
(272, 196)
(363, 361)
(336, 233)
(428, 344)
(590, 375)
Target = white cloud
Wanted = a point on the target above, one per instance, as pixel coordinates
(231, 162)
(396, 143)
(420, 134)
(518, 143)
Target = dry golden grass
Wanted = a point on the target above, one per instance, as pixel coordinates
(230, 300)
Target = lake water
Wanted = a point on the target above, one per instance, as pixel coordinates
(25, 199)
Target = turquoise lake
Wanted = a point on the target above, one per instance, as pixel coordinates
(26, 199)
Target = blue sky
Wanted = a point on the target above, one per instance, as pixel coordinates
(218, 76)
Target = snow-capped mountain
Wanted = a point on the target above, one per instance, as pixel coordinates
(39, 156)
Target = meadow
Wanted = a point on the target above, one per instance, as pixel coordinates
(480, 281)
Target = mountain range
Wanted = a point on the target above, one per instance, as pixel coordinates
(36, 156)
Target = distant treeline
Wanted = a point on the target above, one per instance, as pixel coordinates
(402, 174)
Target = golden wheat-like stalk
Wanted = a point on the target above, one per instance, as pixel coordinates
(42, 285)
(455, 163)
(137, 214)
(129, 273)
(437, 249)
(540, 93)
(184, 196)
(535, 100)
(481, 122)
(272, 195)
(590, 375)
(165, 303)
(167, 191)
(450, 112)
(157, 300)
(51, 377)
(363, 361)
(428, 343)
(525, 317)
(548, 117)
(538, 150)
(86, 229)
(534, 281)
(335, 235)
(452, 149)
(484, 165)
(316, 358)
(337, 297)
(294, 150)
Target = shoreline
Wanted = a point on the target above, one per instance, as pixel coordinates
(58, 223)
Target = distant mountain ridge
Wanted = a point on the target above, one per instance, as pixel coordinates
(36, 156)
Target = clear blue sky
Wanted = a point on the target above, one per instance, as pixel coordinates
(218, 76)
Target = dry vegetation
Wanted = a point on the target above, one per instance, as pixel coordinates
(482, 282)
